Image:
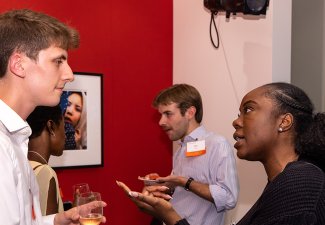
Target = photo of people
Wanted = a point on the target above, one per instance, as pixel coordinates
(73, 104)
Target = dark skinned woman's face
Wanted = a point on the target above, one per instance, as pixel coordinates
(256, 128)
(58, 140)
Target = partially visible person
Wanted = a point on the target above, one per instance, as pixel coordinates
(47, 139)
(75, 115)
(33, 72)
(276, 126)
(204, 177)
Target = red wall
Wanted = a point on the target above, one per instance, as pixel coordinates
(130, 42)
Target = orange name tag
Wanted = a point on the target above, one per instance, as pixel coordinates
(195, 148)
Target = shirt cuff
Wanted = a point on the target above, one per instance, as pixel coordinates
(48, 220)
(219, 196)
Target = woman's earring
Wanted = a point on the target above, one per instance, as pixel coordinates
(280, 129)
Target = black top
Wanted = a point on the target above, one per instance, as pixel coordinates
(295, 197)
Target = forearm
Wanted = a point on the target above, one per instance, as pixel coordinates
(200, 189)
(172, 219)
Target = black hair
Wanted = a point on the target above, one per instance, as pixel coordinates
(309, 127)
(38, 118)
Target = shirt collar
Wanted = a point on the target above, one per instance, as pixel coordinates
(10, 119)
(195, 135)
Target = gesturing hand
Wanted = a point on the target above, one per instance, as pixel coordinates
(151, 204)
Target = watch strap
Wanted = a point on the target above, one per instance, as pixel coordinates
(188, 182)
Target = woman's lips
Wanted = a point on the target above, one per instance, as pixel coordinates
(67, 119)
(239, 139)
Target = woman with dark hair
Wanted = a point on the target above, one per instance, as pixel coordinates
(47, 139)
(276, 126)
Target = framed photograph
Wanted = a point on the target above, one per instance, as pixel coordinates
(81, 104)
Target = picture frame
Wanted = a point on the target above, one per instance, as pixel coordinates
(83, 122)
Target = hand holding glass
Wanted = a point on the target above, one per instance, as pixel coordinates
(93, 216)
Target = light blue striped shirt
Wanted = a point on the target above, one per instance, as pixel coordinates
(217, 167)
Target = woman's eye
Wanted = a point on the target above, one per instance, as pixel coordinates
(247, 109)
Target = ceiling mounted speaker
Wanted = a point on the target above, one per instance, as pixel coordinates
(252, 7)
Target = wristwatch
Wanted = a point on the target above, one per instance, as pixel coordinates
(182, 222)
(188, 182)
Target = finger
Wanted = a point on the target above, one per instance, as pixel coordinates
(162, 195)
(96, 204)
(103, 219)
(138, 200)
(157, 188)
(127, 190)
(145, 191)
(151, 200)
(71, 215)
(124, 187)
(163, 179)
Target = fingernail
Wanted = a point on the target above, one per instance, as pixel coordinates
(133, 194)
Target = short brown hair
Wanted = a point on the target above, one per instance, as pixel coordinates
(29, 32)
(184, 96)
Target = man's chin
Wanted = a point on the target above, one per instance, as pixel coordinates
(172, 138)
(52, 103)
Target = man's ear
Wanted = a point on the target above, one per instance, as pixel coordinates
(15, 64)
(190, 112)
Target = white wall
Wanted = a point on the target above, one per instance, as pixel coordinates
(252, 51)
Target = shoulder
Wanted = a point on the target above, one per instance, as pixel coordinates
(217, 142)
(4, 135)
(6, 146)
(216, 138)
(48, 168)
(297, 190)
(45, 169)
(303, 171)
(300, 181)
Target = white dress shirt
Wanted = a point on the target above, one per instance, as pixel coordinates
(217, 167)
(19, 194)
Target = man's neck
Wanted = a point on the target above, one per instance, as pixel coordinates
(191, 128)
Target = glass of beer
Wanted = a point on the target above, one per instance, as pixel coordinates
(90, 217)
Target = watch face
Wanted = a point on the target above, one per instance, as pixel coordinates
(256, 5)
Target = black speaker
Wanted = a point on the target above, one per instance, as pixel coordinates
(252, 7)
(255, 7)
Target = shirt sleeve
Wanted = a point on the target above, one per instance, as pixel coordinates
(8, 193)
(223, 168)
(48, 220)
